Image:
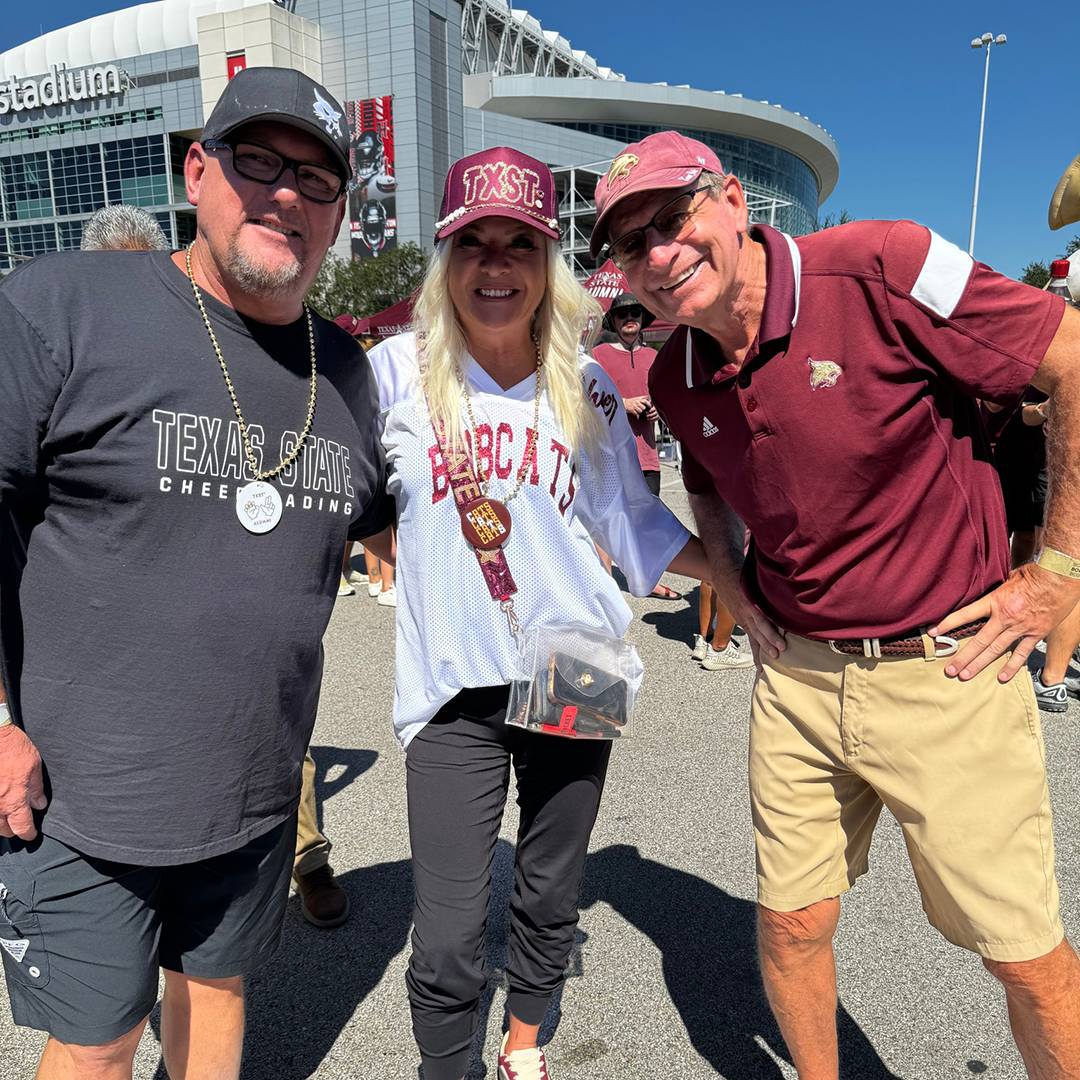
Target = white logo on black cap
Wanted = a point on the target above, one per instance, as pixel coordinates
(327, 114)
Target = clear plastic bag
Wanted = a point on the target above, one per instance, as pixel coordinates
(575, 681)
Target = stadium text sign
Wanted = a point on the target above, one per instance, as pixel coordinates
(58, 87)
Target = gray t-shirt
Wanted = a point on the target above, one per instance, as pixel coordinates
(165, 661)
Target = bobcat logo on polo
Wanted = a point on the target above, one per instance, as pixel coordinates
(502, 182)
(621, 168)
(326, 112)
(824, 374)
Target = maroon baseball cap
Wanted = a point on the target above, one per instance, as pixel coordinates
(349, 323)
(499, 182)
(664, 160)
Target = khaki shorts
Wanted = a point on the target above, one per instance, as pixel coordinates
(959, 765)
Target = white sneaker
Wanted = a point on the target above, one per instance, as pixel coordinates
(701, 648)
(374, 588)
(388, 597)
(345, 589)
(728, 658)
(356, 578)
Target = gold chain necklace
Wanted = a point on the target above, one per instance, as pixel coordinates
(533, 431)
(249, 453)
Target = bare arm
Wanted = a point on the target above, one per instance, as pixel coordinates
(21, 789)
(723, 534)
(1033, 601)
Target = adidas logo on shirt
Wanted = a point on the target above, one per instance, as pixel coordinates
(708, 428)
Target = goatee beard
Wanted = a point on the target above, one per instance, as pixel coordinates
(257, 279)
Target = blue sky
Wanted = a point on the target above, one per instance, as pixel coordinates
(898, 86)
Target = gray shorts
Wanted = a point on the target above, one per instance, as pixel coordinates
(83, 938)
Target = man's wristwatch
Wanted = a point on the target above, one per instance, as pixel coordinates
(1057, 562)
(5, 715)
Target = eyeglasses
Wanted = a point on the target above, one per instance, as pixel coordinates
(631, 312)
(669, 221)
(315, 182)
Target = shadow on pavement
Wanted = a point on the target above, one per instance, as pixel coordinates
(706, 938)
(354, 764)
(679, 622)
(298, 1004)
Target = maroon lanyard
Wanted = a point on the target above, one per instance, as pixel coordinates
(484, 522)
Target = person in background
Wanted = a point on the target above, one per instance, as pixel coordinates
(378, 575)
(626, 359)
(120, 227)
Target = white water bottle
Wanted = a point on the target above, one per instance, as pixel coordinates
(1059, 284)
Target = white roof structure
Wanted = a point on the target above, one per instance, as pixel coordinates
(146, 28)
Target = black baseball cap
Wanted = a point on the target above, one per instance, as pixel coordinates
(285, 96)
(625, 300)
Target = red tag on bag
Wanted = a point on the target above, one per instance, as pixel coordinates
(566, 722)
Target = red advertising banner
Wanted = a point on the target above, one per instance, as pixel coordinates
(373, 204)
(235, 63)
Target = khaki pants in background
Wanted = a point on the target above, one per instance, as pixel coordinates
(312, 847)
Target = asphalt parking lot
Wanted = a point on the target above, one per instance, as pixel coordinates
(663, 979)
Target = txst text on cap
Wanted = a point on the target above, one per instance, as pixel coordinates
(500, 182)
(285, 96)
(663, 160)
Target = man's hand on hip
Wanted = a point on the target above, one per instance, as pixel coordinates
(1019, 614)
(21, 788)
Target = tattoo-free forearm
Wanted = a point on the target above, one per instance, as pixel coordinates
(724, 537)
(1059, 376)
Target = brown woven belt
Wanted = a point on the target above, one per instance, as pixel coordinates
(907, 644)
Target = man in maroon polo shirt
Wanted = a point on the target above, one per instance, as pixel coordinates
(824, 389)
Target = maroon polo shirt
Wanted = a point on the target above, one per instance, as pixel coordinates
(629, 371)
(850, 441)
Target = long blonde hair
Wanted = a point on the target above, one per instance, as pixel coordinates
(566, 313)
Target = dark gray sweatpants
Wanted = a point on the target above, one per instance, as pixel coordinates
(458, 771)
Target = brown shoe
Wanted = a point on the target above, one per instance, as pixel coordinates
(323, 902)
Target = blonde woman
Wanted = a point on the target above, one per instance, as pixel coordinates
(499, 319)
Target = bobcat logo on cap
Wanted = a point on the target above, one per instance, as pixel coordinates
(621, 168)
(824, 374)
(326, 112)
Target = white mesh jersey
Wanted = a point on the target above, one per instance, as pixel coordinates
(450, 633)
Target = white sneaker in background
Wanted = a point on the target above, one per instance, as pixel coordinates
(701, 648)
(388, 597)
(374, 588)
(729, 658)
(356, 578)
(345, 589)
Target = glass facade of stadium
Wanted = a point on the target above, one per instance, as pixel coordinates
(403, 67)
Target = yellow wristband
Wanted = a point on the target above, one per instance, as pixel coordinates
(1057, 562)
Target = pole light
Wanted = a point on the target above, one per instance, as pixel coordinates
(988, 41)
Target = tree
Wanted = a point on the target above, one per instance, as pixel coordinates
(367, 286)
(1072, 246)
(1036, 273)
(829, 220)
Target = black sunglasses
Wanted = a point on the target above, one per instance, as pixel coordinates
(668, 221)
(631, 312)
(319, 183)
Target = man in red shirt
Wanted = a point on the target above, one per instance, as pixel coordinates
(824, 389)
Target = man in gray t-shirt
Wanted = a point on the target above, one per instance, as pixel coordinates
(166, 427)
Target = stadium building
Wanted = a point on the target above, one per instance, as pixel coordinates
(104, 110)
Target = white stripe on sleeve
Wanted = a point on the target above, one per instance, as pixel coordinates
(943, 277)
